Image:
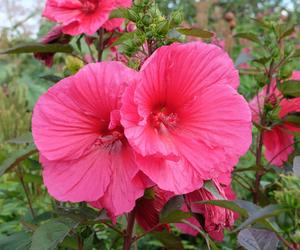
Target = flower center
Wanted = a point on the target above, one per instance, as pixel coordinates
(89, 6)
(112, 140)
(163, 119)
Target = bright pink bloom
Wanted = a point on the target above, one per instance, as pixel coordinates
(185, 117)
(279, 140)
(148, 208)
(84, 153)
(82, 16)
(216, 219)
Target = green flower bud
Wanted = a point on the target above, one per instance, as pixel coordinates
(132, 15)
(177, 17)
(147, 20)
(163, 27)
(286, 72)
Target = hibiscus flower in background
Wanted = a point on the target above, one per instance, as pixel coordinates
(55, 35)
(185, 117)
(84, 153)
(279, 138)
(84, 16)
(215, 219)
(148, 208)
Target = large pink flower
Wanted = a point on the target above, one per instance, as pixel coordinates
(82, 16)
(279, 140)
(185, 117)
(216, 219)
(84, 153)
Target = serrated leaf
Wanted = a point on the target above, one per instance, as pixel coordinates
(175, 217)
(257, 239)
(39, 47)
(170, 241)
(51, 233)
(290, 88)
(16, 157)
(248, 36)
(263, 213)
(195, 32)
(17, 241)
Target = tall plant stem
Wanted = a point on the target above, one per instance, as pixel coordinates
(101, 44)
(26, 190)
(128, 240)
(260, 172)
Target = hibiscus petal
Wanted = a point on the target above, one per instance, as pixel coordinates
(80, 180)
(279, 145)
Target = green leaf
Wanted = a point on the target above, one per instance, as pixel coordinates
(263, 213)
(248, 36)
(175, 203)
(51, 78)
(170, 241)
(196, 32)
(39, 47)
(119, 13)
(290, 88)
(262, 60)
(51, 233)
(296, 53)
(285, 30)
(18, 241)
(23, 139)
(257, 239)
(293, 118)
(261, 23)
(16, 157)
(209, 186)
(296, 166)
(125, 37)
(175, 217)
(226, 204)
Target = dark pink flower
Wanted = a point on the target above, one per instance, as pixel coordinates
(55, 35)
(148, 208)
(216, 219)
(82, 16)
(185, 117)
(279, 139)
(84, 153)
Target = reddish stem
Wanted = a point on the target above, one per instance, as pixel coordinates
(128, 240)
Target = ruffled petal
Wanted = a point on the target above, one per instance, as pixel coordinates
(279, 145)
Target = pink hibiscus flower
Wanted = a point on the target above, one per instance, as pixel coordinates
(279, 140)
(84, 153)
(185, 117)
(82, 16)
(216, 219)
